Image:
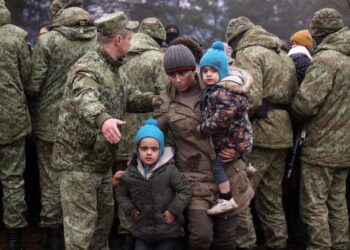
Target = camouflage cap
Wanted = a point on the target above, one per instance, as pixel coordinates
(236, 27)
(5, 15)
(110, 24)
(153, 27)
(70, 17)
(57, 5)
(325, 21)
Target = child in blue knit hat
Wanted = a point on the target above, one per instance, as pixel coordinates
(153, 192)
(225, 115)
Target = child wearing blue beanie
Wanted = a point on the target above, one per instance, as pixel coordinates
(153, 192)
(225, 115)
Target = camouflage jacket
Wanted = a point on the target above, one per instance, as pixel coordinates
(274, 80)
(14, 76)
(193, 155)
(54, 54)
(94, 93)
(144, 70)
(226, 119)
(323, 103)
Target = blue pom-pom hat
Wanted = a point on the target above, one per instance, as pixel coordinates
(150, 129)
(216, 58)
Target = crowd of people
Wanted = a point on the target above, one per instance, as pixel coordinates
(184, 140)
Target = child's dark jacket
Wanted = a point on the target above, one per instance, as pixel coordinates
(164, 188)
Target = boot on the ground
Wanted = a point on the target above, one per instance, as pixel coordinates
(54, 239)
(14, 239)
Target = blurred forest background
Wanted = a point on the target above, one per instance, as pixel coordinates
(206, 20)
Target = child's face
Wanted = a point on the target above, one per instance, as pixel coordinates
(210, 75)
(148, 151)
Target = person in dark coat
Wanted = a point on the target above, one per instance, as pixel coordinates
(154, 192)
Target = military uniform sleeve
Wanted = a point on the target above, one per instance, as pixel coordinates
(24, 63)
(225, 110)
(161, 78)
(40, 62)
(138, 102)
(314, 89)
(252, 65)
(86, 100)
(183, 190)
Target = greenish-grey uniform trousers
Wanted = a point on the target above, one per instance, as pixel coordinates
(88, 207)
(323, 206)
(51, 210)
(267, 183)
(12, 165)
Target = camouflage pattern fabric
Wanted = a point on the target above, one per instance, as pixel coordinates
(323, 206)
(322, 101)
(58, 5)
(51, 211)
(274, 80)
(267, 183)
(12, 164)
(14, 75)
(245, 231)
(144, 70)
(325, 22)
(94, 93)
(88, 205)
(53, 56)
(152, 27)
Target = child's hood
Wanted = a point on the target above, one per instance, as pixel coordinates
(163, 160)
(237, 82)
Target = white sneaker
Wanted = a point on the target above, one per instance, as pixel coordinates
(250, 170)
(223, 206)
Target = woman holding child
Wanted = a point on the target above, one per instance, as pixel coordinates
(178, 116)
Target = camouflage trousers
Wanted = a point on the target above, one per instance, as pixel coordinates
(12, 165)
(88, 207)
(323, 206)
(267, 183)
(51, 211)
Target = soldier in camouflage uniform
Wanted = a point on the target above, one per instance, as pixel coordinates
(14, 124)
(71, 35)
(323, 103)
(144, 70)
(257, 52)
(88, 130)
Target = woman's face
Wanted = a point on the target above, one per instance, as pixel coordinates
(182, 80)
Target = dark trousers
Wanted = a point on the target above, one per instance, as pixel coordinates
(209, 231)
(218, 169)
(169, 244)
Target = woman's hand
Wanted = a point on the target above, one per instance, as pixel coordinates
(116, 178)
(229, 154)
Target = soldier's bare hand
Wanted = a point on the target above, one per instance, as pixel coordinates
(111, 131)
(116, 177)
(169, 217)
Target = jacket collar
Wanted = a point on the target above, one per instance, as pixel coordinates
(111, 61)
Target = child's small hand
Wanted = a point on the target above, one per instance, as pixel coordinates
(135, 215)
(169, 217)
